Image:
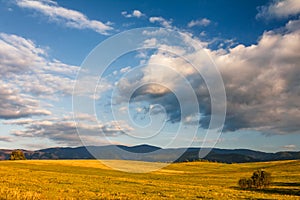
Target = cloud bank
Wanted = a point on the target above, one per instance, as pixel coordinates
(63, 130)
(29, 77)
(261, 81)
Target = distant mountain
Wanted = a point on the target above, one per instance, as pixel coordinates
(144, 148)
(5, 153)
(152, 153)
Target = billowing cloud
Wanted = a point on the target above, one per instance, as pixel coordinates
(64, 130)
(199, 22)
(279, 9)
(156, 85)
(67, 17)
(162, 21)
(18, 54)
(262, 85)
(13, 104)
(135, 13)
(261, 81)
(28, 76)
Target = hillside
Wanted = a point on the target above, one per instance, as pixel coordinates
(90, 179)
(155, 154)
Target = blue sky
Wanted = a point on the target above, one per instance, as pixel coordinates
(254, 45)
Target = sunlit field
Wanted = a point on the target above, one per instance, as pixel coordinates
(89, 179)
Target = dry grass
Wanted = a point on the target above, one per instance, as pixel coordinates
(89, 179)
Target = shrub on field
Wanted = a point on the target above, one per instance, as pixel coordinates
(17, 155)
(245, 183)
(259, 179)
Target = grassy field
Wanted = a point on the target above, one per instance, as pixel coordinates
(89, 179)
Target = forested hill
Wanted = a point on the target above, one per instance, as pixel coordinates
(155, 154)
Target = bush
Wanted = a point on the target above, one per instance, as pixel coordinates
(17, 155)
(259, 179)
(245, 183)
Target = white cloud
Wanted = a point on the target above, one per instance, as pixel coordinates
(123, 109)
(293, 25)
(159, 32)
(289, 147)
(5, 139)
(68, 17)
(125, 69)
(124, 13)
(261, 81)
(263, 96)
(150, 43)
(135, 13)
(18, 54)
(202, 34)
(64, 130)
(280, 9)
(165, 23)
(28, 77)
(85, 86)
(14, 104)
(199, 22)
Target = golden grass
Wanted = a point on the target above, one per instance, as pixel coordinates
(90, 179)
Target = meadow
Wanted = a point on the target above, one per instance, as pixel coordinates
(89, 179)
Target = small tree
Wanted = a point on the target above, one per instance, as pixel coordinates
(259, 180)
(17, 155)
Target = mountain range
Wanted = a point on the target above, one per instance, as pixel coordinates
(155, 154)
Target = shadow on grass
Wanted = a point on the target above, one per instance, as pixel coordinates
(292, 184)
(281, 191)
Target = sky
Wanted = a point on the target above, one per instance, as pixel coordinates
(161, 90)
